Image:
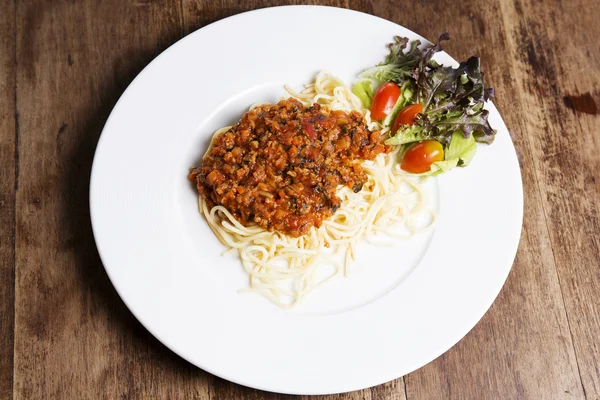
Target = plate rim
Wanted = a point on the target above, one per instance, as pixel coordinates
(164, 341)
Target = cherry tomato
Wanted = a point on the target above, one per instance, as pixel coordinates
(419, 157)
(407, 116)
(384, 99)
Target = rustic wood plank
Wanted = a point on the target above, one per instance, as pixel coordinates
(224, 390)
(197, 14)
(522, 347)
(8, 179)
(74, 337)
(556, 72)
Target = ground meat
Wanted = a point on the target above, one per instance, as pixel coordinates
(280, 166)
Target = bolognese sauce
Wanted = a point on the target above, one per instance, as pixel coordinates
(281, 165)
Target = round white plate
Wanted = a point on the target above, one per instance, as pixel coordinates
(400, 308)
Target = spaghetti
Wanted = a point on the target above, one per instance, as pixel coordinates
(390, 206)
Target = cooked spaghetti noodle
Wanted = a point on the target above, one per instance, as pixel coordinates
(285, 269)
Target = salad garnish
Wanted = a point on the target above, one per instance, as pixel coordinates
(437, 107)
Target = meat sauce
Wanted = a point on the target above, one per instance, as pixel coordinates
(280, 166)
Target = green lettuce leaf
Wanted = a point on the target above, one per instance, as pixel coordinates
(386, 73)
(411, 134)
(461, 149)
(440, 167)
(459, 153)
(397, 51)
(364, 92)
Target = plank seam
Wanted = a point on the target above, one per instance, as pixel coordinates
(562, 295)
(15, 189)
(182, 24)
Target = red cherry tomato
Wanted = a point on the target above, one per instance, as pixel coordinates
(384, 99)
(419, 157)
(407, 116)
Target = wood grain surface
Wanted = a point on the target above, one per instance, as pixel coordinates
(65, 334)
(8, 183)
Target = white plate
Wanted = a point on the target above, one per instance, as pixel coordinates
(401, 308)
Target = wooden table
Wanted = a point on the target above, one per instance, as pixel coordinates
(64, 332)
